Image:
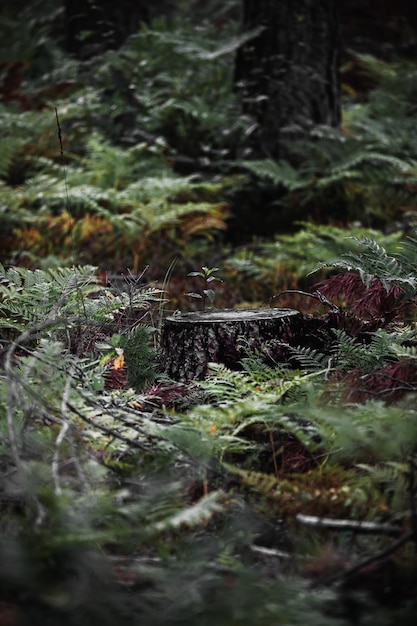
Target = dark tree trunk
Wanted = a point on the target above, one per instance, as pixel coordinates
(192, 340)
(96, 25)
(288, 75)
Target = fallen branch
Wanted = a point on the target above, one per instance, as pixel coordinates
(273, 552)
(349, 525)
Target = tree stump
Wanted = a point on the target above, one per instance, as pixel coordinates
(192, 340)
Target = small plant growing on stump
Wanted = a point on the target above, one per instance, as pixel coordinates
(206, 274)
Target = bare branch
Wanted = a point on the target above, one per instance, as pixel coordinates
(273, 552)
(316, 295)
(349, 525)
(378, 556)
(62, 433)
(106, 429)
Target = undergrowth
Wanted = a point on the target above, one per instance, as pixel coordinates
(137, 127)
(281, 490)
(279, 475)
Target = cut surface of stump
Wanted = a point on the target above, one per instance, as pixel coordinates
(190, 341)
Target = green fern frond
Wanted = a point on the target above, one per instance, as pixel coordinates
(163, 187)
(28, 297)
(404, 352)
(140, 357)
(279, 173)
(263, 484)
(227, 385)
(375, 159)
(367, 433)
(255, 382)
(310, 359)
(348, 354)
(370, 261)
(313, 245)
(10, 148)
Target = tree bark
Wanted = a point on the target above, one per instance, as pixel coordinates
(288, 75)
(192, 340)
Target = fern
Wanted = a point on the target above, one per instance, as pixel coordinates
(244, 409)
(32, 297)
(105, 184)
(257, 380)
(312, 491)
(348, 353)
(281, 173)
(279, 264)
(310, 359)
(10, 148)
(372, 261)
(29, 297)
(369, 432)
(366, 169)
(171, 497)
(139, 357)
(108, 166)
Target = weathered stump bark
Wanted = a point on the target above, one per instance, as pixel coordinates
(192, 340)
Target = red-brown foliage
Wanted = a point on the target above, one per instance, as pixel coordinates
(367, 303)
(389, 383)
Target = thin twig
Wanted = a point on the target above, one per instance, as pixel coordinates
(317, 295)
(61, 146)
(274, 454)
(378, 556)
(64, 169)
(106, 429)
(62, 433)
